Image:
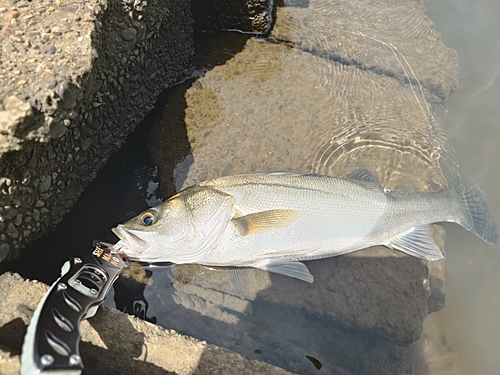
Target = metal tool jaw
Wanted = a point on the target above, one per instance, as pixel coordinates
(51, 342)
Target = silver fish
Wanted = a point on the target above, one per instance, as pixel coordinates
(272, 221)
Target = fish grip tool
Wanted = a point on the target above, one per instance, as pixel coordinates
(51, 342)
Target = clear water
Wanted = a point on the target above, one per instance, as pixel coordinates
(468, 321)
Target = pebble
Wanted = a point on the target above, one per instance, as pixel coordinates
(12, 231)
(32, 163)
(50, 152)
(68, 93)
(18, 220)
(45, 182)
(36, 215)
(4, 250)
(48, 49)
(128, 34)
(39, 203)
(8, 16)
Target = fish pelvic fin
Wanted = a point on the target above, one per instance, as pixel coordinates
(264, 221)
(419, 242)
(294, 269)
(476, 217)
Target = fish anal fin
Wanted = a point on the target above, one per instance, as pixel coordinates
(362, 174)
(418, 242)
(294, 269)
(244, 280)
(264, 221)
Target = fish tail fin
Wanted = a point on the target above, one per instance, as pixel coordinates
(475, 217)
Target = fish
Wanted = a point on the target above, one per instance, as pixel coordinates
(274, 221)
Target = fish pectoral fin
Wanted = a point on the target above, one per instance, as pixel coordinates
(294, 269)
(419, 243)
(264, 221)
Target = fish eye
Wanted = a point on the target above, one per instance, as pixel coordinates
(148, 218)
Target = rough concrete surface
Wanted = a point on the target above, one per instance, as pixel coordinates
(76, 77)
(116, 343)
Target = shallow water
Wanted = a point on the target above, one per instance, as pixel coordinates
(469, 319)
(400, 129)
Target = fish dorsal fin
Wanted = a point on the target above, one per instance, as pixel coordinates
(294, 269)
(419, 243)
(362, 174)
(264, 221)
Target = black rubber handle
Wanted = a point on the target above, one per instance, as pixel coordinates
(83, 286)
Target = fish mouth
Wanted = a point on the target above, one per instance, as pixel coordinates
(133, 244)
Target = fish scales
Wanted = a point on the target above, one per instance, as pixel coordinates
(273, 220)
